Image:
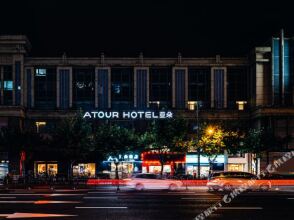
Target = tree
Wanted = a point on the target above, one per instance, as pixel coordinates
(113, 140)
(73, 138)
(258, 141)
(162, 137)
(14, 141)
(212, 140)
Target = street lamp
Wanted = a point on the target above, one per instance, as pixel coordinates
(210, 131)
(198, 149)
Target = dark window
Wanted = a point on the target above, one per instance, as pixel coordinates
(160, 87)
(199, 86)
(7, 85)
(237, 86)
(45, 88)
(83, 88)
(122, 88)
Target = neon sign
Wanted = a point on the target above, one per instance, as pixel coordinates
(128, 115)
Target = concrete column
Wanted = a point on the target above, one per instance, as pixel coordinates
(33, 87)
(186, 88)
(185, 69)
(58, 85)
(25, 88)
(70, 87)
(1, 88)
(13, 80)
(212, 87)
(148, 88)
(109, 87)
(225, 88)
(173, 88)
(96, 88)
(135, 87)
(136, 69)
(57, 88)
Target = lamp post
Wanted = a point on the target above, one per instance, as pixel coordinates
(198, 149)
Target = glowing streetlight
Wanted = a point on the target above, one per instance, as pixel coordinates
(210, 131)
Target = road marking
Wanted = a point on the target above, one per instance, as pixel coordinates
(20, 202)
(44, 202)
(244, 208)
(33, 215)
(99, 192)
(290, 198)
(101, 207)
(100, 197)
(40, 194)
(39, 202)
(8, 197)
(60, 194)
(204, 198)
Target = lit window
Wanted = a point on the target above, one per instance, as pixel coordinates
(235, 167)
(40, 72)
(8, 85)
(241, 105)
(192, 105)
(39, 125)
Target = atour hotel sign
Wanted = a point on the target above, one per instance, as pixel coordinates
(128, 115)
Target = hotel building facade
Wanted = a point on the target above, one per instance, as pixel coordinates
(252, 91)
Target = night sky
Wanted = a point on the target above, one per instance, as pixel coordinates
(156, 28)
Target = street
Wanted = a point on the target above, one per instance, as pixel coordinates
(106, 203)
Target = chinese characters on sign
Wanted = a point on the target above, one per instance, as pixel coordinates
(128, 115)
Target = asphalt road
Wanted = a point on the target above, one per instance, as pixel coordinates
(151, 205)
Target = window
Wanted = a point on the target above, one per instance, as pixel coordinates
(160, 87)
(40, 72)
(237, 90)
(199, 85)
(241, 105)
(40, 125)
(122, 87)
(83, 88)
(7, 85)
(45, 89)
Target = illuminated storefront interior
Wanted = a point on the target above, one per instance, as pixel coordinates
(174, 162)
(235, 167)
(46, 169)
(192, 164)
(84, 170)
(128, 164)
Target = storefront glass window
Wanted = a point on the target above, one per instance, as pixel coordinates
(47, 169)
(84, 170)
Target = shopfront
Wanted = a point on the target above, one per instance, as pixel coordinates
(84, 170)
(3, 169)
(45, 168)
(192, 164)
(173, 162)
(128, 164)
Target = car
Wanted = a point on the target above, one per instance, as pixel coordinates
(151, 181)
(230, 180)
